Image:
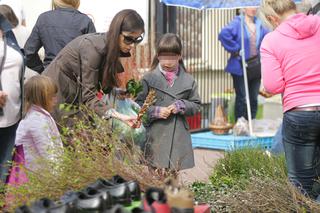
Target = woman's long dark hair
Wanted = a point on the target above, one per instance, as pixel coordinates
(8, 13)
(168, 43)
(126, 20)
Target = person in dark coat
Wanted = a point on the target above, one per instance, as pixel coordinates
(90, 63)
(11, 92)
(168, 142)
(53, 30)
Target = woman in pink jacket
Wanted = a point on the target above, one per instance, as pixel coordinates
(291, 66)
(37, 131)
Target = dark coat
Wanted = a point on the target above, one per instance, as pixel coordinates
(81, 58)
(53, 30)
(168, 142)
(6, 27)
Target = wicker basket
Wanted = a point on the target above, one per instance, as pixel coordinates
(220, 130)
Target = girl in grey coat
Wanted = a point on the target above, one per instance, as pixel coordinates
(168, 142)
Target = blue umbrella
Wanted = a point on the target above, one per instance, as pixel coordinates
(209, 4)
(224, 4)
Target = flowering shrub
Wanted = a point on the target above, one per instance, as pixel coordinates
(92, 150)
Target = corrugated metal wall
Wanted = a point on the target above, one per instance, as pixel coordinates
(204, 56)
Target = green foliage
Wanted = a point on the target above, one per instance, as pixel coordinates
(233, 172)
(92, 150)
(238, 166)
(248, 180)
(134, 87)
(2, 194)
(65, 107)
(203, 192)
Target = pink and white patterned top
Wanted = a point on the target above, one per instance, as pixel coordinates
(39, 135)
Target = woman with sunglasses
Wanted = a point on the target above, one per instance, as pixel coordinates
(90, 63)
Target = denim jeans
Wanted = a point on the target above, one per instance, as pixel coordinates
(277, 146)
(301, 137)
(240, 105)
(7, 138)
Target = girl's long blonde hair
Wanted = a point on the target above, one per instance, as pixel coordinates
(275, 8)
(66, 4)
(39, 90)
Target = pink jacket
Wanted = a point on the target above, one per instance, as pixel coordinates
(290, 57)
(39, 136)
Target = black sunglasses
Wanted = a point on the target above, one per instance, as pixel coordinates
(130, 40)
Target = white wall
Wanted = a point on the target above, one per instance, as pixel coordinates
(101, 11)
(33, 9)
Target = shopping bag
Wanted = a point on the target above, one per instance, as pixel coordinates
(122, 104)
(17, 175)
(253, 68)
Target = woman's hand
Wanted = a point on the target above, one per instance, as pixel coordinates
(265, 94)
(129, 120)
(3, 98)
(137, 124)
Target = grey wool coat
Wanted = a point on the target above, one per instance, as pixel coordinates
(168, 142)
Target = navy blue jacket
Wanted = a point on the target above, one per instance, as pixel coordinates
(53, 30)
(230, 38)
(6, 27)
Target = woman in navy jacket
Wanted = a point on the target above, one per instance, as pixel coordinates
(53, 30)
(230, 38)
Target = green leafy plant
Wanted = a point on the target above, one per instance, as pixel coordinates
(133, 87)
(239, 165)
(248, 180)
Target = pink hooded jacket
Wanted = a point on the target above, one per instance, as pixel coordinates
(290, 57)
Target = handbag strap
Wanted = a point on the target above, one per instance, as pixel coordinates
(4, 57)
(314, 10)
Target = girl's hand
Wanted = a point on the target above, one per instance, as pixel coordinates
(3, 98)
(164, 112)
(173, 108)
